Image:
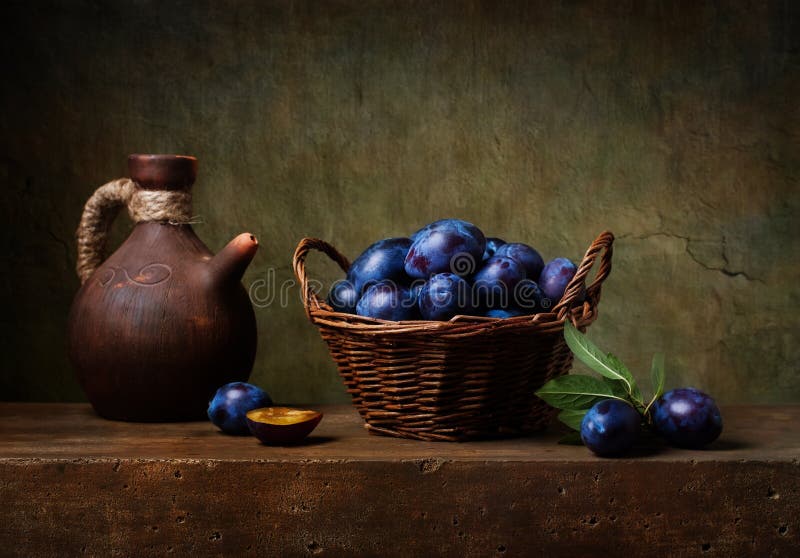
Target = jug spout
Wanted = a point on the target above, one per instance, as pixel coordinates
(229, 264)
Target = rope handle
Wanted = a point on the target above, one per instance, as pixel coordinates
(603, 243)
(173, 206)
(98, 214)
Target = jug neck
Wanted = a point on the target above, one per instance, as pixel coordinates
(162, 172)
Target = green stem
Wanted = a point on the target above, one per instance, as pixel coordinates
(647, 409)
(639, 406)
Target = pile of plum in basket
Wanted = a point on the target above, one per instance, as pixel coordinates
(450, 268)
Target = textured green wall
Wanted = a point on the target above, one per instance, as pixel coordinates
(674, 124)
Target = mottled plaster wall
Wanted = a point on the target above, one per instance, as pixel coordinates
(674, 124)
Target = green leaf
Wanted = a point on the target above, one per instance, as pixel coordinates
(571, 439)
(572, 418)
(657, 375)
(575, 392)
(629, 380)
(618, 387)
(657, 378)
(588, 353)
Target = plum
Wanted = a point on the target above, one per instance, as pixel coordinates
(687, 418)
(504, 313)
(343, 297)
(383, 260)
(555, 277)
(524, 254)
(610, 427)
(445, 223)
(416, 234)
(416, 287)
(447, 245)
(387, 300)
(444, 295)
(492, 244)
(527, 297)
(426, 228)
(494, 284)
(228, 407)
(282, 426)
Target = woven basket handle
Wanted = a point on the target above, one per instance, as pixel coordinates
(603, 243)
(310, 299)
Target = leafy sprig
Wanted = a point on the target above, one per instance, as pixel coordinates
(575, 394)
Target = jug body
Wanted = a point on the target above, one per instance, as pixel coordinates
(159, 325)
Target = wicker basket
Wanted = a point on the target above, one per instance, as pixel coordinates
(466, 379)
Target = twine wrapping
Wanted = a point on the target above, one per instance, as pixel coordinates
(173, 206)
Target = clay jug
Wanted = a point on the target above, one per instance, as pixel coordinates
(157, 327)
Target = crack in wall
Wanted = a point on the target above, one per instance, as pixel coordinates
(687, 248)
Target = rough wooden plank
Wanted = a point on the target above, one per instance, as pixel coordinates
(73, 483)
(72, 431)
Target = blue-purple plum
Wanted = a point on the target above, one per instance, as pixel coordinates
(444, 295)
(228, 407)
(504, 313)
(387, 300)
(383, 260)
(493, 285)
(610, 427)
(492, 244)
(419, 231)
(530, 259)
(343, 297)
(555, 277)
(449, 245)
(416, 287)
(527, 297)
(687, 418)
(445, 223)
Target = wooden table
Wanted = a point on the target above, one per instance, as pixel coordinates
(72, 483)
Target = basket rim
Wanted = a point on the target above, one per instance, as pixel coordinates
(326, 317)
(321, 314)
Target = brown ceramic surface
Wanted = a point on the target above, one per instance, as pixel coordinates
(163, 172)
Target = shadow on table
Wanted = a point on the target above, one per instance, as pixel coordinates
(316, 441)
(654, 446)
(306, 442)
(645, 450)
(727, 444)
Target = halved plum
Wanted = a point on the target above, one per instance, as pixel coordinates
(282, 426)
